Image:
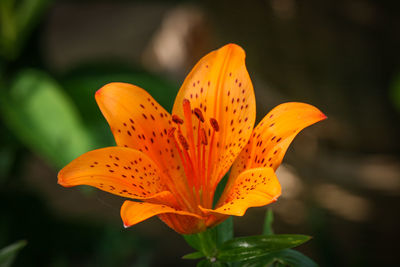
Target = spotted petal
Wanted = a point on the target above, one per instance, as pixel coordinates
(138, 121)
(135, 212)
(219, 85)
(273, 135)
(121, 171)
(253, 188)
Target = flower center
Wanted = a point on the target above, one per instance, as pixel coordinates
(195, 153)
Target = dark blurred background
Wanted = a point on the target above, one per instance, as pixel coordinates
(340, 178)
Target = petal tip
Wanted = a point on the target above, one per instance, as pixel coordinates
(60, 178)
(110, 85)
(98, 92)
(234, 47)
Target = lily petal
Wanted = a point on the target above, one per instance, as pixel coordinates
(138, 121)
(273, 135)
(120, 171)
(135, 212)
(252, 188)
(219, 85)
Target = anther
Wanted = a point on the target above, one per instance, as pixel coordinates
(214, 124)
(203, 136)
(176, 119)
(199, 114)
(183, 141)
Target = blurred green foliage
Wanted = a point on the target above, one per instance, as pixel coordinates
(45, 118)
(82, 82)
(8, 254)
(48, 120)
(57, 241)
(56, 118)
(17, 20)
(395, 91)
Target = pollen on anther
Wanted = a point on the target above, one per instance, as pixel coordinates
(203, 136)
(199, 114)
(183, 141)
(176, 119)
(214, 124)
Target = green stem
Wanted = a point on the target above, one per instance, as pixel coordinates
(208, 244)
(205, 242)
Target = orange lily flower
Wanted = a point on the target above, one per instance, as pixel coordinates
(171, 164)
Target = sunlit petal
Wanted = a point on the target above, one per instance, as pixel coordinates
(135, 212)
(121, 171)
(273, 135)
(138, 121)
(252, 188)
(219, 85)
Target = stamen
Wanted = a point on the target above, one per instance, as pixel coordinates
(186, 105)
(193, 154)
(187, 112)
(202, 162)
(199, 114)
(214, 124)
(186, 166)
(176, 119)
(182, 141)
(203, 137)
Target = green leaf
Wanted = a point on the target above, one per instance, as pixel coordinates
(44, 118)
(224, 231)
(287, 257)
(204, 263)
(193, 241)
(8, 254)
(294, 258)
(207, 263)
(269, 219)
(193, 256)
(246, 248)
